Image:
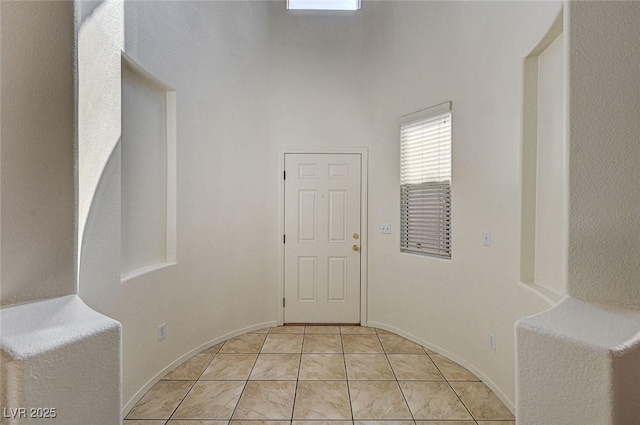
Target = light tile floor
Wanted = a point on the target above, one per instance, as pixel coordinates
(319, 375)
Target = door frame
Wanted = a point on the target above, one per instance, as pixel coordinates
(364, 157)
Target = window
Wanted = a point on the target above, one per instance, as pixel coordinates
(425, 182)
(323, 4)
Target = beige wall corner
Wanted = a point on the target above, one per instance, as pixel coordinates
(37, 133)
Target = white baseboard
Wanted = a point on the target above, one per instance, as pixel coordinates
(462, 362)
(146, 387)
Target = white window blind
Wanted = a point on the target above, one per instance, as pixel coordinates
(425, 182)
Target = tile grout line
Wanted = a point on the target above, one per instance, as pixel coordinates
(248, 376)
(347, 381)
(450, 386)
(434, 364)
(194, 382)
(384, 350)
(210, 361)
(295, 390)
(454, 391)
(346, 377)
(339, 334)
(182, 380)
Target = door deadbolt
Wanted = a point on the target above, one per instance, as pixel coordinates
(356, 236)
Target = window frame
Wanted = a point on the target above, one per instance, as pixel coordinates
(436, 231)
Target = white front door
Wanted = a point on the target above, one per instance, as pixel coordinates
(322, 238)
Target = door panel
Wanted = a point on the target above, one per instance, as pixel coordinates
(307, 279)
(307, 216)
(337, 279)
(322, 224)
(337, 216)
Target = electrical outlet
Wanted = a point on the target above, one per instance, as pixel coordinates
(385, 228)
(491, 341)
(162, 331)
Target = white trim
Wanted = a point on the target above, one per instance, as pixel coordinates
(171, 253)
(462, 362)
(431, 111)
(144, 270)
(364, 155)
(138, 69)
(567, 133)
(528, 154)
(146, 387)
(549, 296)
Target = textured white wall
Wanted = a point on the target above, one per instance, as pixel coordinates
(100, 39)
(56, 353)
(214, 55)
(217, 55)
(37, 133)
(588, 352)
(317, 65)
(344, 80)
(252, 78)
(59, 354)
(604, 203)
(577, 363)
(420, 54)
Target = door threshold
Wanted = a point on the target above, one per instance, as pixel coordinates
(321, 324)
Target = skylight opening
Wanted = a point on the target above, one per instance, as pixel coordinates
(323, 4)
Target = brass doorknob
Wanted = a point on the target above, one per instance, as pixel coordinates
(356, 248)
(356, 236)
